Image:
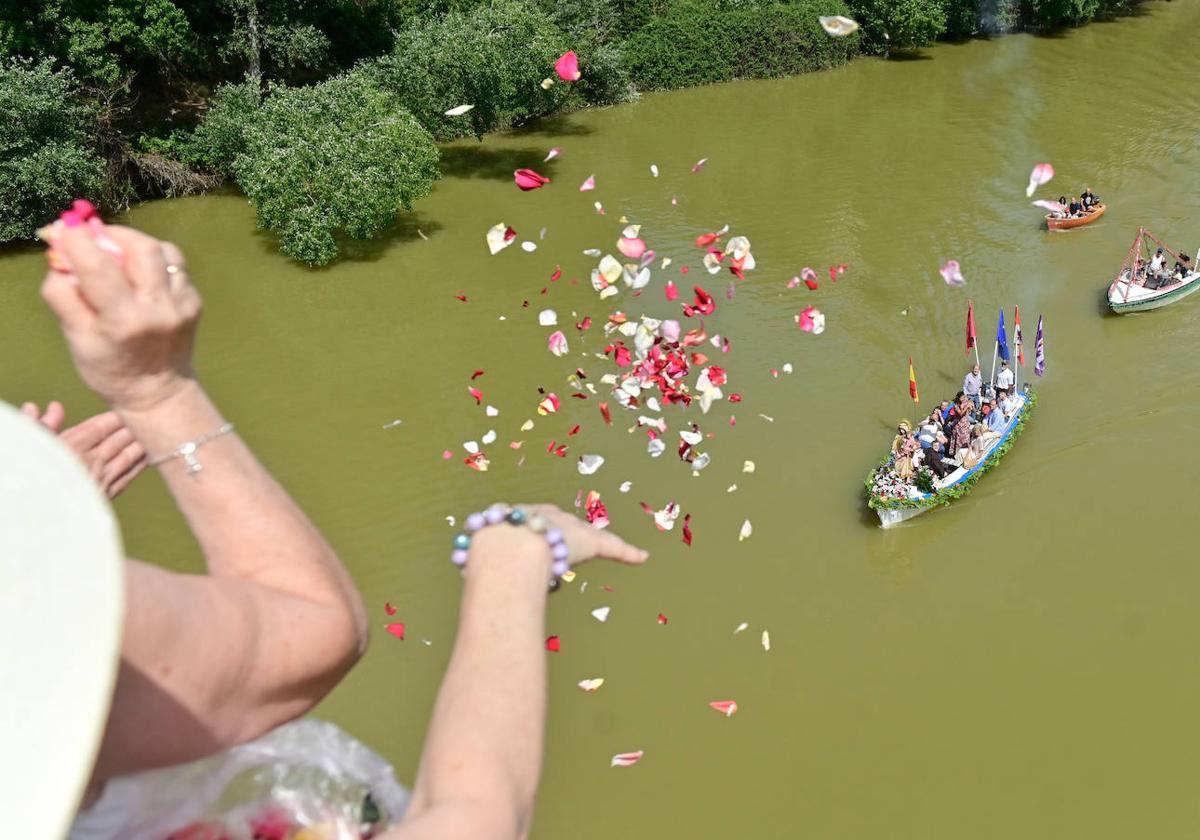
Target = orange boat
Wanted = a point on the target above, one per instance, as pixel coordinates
(1075, 221)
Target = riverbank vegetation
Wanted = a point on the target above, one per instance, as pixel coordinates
(327, 114)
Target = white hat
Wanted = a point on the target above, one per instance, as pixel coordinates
(61, 608)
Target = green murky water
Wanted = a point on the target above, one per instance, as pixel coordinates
(1020, 665)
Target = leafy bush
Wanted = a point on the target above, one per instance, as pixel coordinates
(696, 44)
(963, 17)
(45, 154)
(493, 57)
(1047, 13)
(104, 41)
(338, 157)
(898, 24)
(221, 136)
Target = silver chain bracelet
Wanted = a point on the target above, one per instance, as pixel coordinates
(187, 451)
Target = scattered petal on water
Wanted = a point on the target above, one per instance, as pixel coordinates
(627, 759)
(547, 318)
(746, 531)
(591, 685)
(740, 628)
(558, 343)
(459, 110)
(500, 237)
(553, 644)
(654, 170)
(552, 154)
(811, 320)
(1041, 174)
(951, 273)
(766, 640)
(662, 619)
(601, 613)
(527, 179)
(489, 437)
(396, 629)
(588, 464)
(528, 247)
(698, 165)
(388, 608)
(748, 466)
(589, 184)
(838, 26)
(491, 411)
(726, 707)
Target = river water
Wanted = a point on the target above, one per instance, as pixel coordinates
(1021, 664)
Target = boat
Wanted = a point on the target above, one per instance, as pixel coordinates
(1137, 290)
(1069, 222)
(894, 510)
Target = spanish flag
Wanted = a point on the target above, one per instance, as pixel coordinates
(912, 382)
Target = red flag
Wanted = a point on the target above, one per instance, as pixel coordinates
(1017, 340)
(970, 326)
(912, 382)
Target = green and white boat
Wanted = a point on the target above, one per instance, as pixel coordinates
(1140, 288)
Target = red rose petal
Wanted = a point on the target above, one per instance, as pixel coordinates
(396, 629)
(553, 644)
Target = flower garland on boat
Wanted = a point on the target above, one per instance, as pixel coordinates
(882, 492)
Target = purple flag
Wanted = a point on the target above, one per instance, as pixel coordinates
(1039, 351)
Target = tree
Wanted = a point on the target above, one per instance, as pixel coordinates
(340, 157)
(45, 156)
(898, 24)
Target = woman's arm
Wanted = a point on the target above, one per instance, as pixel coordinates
(479, 770)
(207, 660)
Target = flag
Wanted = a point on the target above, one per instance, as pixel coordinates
(970, 326)
(1018, 343)
(1002, 339)
(912, 382)
(1039, 351)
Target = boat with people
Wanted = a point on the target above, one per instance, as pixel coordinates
(1055, 221)
(959, 441)
(1144, 281)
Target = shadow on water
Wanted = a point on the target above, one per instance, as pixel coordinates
(904, 56)
(496, 164)
(408, 227)
(554, 125)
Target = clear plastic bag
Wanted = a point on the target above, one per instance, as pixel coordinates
(306, 780)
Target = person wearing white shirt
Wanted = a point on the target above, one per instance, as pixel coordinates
(1005, 378)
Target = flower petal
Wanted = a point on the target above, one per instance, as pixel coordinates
(726, 707)
(459, 110)
(838, 26)
(396, 629)
(567, 67)
(589, 184)
(627, 759)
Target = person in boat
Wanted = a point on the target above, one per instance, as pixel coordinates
(935, 459)
(981, 441)
(960, 434)
(1182, 266)
(1061, 214)
(1157, 262)
(973, 385)
(903, 447)
(1005, 378)
(1008, 406)
(1075, 208)
(1088, 199)
(995, 418)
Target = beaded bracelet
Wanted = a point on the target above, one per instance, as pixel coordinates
(498, 513)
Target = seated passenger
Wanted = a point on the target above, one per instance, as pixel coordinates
(1075, 208)
(1182, 266)
(996, 419)
(903, 447)
(1088, 199)
(1157, 263)
(935, 460)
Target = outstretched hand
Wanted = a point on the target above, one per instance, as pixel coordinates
(587, 541)
(104, 444)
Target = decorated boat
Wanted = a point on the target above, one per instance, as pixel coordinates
(1138, 288)
(1055, 223)
(897, 501)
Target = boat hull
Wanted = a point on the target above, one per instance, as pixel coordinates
(1069, 223)
(1153, 300)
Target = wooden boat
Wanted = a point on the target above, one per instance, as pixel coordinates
(1137, 290)
(1076, 221)
(892, 511)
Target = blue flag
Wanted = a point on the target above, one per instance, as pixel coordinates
(1002, 339)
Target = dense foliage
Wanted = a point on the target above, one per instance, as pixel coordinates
(125, 99)
(46, 158)
(339, 157)
(493, 57)
(696, 43)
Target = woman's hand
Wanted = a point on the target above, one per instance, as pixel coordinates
(102, 442)
(129, 324)
(586, 541)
